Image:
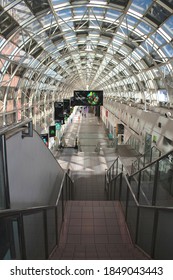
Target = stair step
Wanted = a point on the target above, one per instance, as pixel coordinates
(95, 230)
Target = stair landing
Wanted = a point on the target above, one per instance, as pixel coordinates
(95, 230)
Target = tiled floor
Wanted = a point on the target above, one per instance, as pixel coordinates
(94, 228)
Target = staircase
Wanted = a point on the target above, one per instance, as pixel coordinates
(95, 230)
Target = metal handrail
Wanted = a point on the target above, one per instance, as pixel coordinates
(14, 126)
(60, 190)
(20, 213)
(6, 212)
(144, 155)
(151, 163)
(14, 212)
(139, 206)
(113, 164)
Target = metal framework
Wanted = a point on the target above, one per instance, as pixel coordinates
(48, 48)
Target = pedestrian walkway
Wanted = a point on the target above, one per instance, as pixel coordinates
(93, 228)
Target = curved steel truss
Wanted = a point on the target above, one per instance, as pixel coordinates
(48, 48)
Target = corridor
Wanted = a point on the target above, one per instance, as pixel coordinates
(93, 228)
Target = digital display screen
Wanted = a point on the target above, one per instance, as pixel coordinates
(58, 113)
(120, 128)
(45, 139)
(52, 131)
(72, 101)
(60, 119)
(88, 98)
(66, 106)
(66, 103)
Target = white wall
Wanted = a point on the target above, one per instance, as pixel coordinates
(33, 172)
(138, 122)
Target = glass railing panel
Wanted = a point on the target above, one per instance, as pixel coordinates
(68, 192)
(155, 154)
(111, 190)
(141, 162)
(145, 229)
(147, 157)
(16, 240)
(66, 189)
(117, 188)
(59, 214)
(9, 239)
(131, 216)
(5, 245)
(147, 185)
(51, 229)
(163, 242)
(34, 236)
(120, 167)
(123, 194)
(165, 182)
(134, 184)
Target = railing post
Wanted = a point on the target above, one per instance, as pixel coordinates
(22, 238)
(155, 184)
(120, 186)
(155, 225)
(139, 186)
(62, 194)
(105, 179)
(117, 167)
(56, 225)
(127, 202)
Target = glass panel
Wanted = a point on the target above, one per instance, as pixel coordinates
(165, 181)
(16, 240)
(2, 186)
(164, 244)
(132, 216)
(117, 188)
(145, 229)
(147, 185)
(155, 153)
(5, 247)
(9, 240)
(140, 6)
(134, 184)
(34, 236)
(65, 189)
(123, 194)
(59, 212)
(51, 230)
(112, 188)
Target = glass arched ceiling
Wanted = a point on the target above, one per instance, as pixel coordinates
(48, 48)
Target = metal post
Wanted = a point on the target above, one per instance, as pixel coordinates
(155, 184)
(22, 238)
(155, 225)
(139, 186)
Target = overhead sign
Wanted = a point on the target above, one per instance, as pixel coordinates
(52, 131)
(88, 98)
